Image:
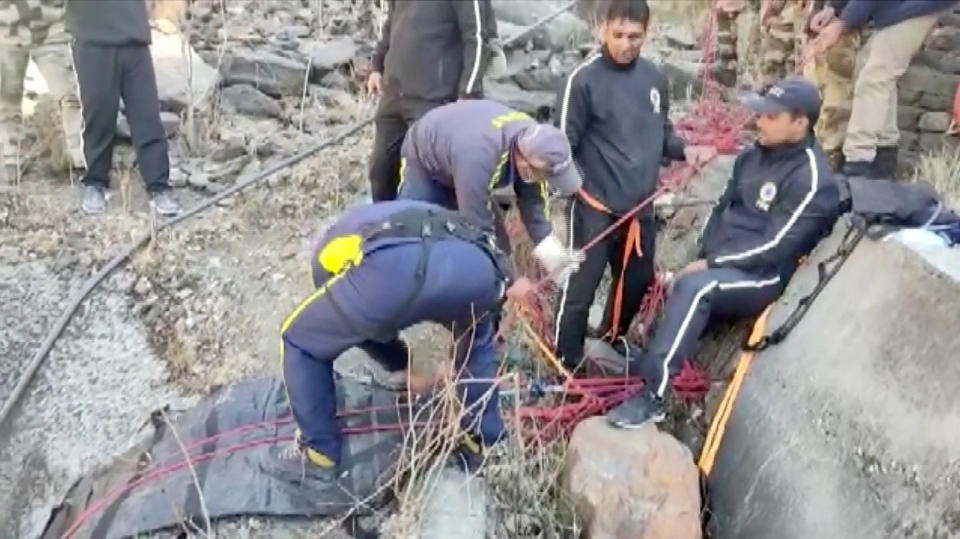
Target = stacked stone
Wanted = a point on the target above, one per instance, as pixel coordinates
(927, 91)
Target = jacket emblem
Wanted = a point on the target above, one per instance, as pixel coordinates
(655, 100)
(768, 192)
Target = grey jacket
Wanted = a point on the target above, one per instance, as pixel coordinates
(467, 146)
(109, 22)
(434, 49)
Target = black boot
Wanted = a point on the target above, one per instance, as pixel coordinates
(647, 407)
(834, 160)
(857, 169)
(885, 163)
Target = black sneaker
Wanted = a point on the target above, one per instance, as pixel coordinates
(857, 169)
(644, 408)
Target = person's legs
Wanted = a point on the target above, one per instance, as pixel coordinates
(695, 298)
(834, 75)
(890, 52)
(13, 69)
(389, 130)
(578, 290)
(726, 70)
(142, 106)
(728, 292)
(53, 61)
(632, 276)
(98, 78)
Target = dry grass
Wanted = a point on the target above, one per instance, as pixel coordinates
(941, 169)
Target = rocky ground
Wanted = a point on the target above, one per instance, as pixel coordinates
(200, 306)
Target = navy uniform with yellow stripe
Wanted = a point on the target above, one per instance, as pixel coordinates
(379, 269)
(458, 154)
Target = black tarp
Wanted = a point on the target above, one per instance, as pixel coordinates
(229, 436)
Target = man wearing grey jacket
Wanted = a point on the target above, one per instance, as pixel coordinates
(111, 55)
(431, 52)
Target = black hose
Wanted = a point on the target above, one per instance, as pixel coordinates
(115, 262)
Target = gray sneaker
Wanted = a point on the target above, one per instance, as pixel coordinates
(164, 203)
(94, 200)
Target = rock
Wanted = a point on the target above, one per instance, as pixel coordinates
(199, 180)
(9, 254)
(177, 177)
(326, 56)
(270, 73)
(944, 38)
(536, 104)
(934, 142)
(182, 74)
(557, 34)
(456, 507)
(537, 79)
(680, 37)
(948, 62)
(336, 80)
(632, 483)
(927, 88)
(908, 140)
(143, 287)
(125, 281)
(171, 123)
(935, 122)
(908, 118)
(228, 152)
(245, 99)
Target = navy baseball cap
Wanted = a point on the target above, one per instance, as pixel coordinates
(548, 143)
(791, 94)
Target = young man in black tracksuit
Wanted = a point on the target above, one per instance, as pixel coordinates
(777, 206)
(430, 53)
(111, 56)
(614, 109)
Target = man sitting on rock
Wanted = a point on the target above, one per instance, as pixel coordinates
(779, 203)
(457, 155)
(379, 269)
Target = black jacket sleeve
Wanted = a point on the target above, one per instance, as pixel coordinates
(381, 53)
(573, 108)
(673, 146)
(471, 18)
(797, 218)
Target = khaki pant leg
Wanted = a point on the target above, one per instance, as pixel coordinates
(56, 65)
(890, 52)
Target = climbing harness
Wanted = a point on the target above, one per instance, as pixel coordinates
(425, 226)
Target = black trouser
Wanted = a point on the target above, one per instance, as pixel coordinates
(719, 293)
(632, 272)
(394, 116)
(107, 74)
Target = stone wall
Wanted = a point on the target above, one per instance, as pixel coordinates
(927, 90)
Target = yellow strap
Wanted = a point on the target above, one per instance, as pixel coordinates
(719, 424)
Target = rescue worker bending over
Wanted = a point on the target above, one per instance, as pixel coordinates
(780, 201)
(458, 154)
(614, 108)
(379, 269)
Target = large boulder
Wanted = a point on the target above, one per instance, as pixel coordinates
(245, 99)
(558, 34)
(640, 483)
(536, 104)
(182, 75)
(270, 73)
(851, 426)
(326, 56)
(927, 88)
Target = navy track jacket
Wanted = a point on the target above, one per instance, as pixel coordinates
(780, 202)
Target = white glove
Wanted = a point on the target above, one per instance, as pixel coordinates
(558, 260)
